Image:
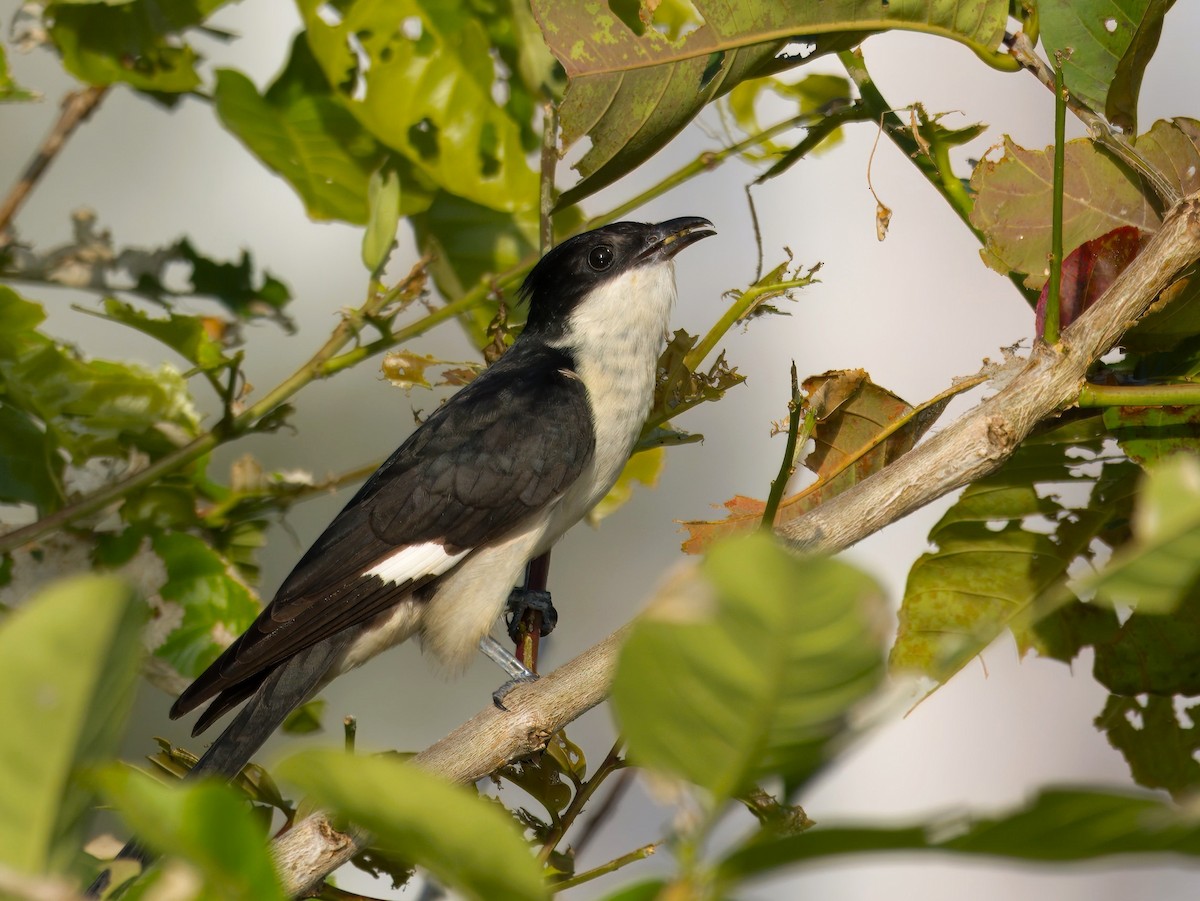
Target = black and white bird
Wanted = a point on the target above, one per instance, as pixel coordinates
(434, 541)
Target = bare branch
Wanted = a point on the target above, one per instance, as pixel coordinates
(313, 848)
(76, 107)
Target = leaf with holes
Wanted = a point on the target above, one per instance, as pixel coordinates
(419, 76)
(135, 43)
(636, 80)
(1013, 200)
(1008, 544)
(1106, 45)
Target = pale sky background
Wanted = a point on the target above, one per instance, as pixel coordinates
(915, 311)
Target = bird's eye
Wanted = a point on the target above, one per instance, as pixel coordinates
(600, 257)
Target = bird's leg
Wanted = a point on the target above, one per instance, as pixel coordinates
(503, 658)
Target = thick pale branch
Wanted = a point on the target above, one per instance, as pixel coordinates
(972, 447)
(313, 848)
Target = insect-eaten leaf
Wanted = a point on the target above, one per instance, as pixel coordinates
(1004, 550)
(1013, 196)
(860, 427)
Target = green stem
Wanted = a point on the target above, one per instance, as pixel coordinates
(788, 466)
(705, 162)
(1184, 395)
(604, 869)
(611, 764)
(1050, 326)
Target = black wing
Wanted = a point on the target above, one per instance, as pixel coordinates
(494, 454)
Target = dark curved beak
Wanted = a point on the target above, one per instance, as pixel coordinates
(670, 237)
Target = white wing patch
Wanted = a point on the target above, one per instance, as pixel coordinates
(416, 561)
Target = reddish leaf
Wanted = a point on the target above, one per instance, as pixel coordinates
(1088, 271)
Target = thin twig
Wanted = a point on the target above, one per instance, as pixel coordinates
(611, 763)
(76, 107)
(604, 869)
(1051, 324)
(314, 368)
(788, 465)
(592, 826)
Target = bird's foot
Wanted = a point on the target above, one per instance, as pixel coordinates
(522, 599)
(517, 671)
(500, 693)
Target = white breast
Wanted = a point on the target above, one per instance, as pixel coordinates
(615, 337)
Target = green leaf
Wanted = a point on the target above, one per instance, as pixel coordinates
(384, 201)
(1013, 199)
(205, 823)
(89, 408)
(632, 88)
(468, 241)
(189, 336)
(467, 843)
(133, 42)
(1151, 434)
(1164, 560)
(30, 466)
(423, 86)
(233, 284)
(1059, 825)
(1106, 46)
(1151, 665)
(69, 660)
(1006, 546)
(10, 91)
(1160, 750)
(203, 600)
(748, 667)
(300, 130)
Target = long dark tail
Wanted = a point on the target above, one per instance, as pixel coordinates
(286, 688)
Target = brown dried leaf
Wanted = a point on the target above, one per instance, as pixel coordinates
(851, 413)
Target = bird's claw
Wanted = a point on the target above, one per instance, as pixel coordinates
(500, 693)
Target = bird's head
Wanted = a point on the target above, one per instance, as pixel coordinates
(617, 265)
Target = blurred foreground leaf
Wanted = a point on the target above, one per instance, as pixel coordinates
(69, 659)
